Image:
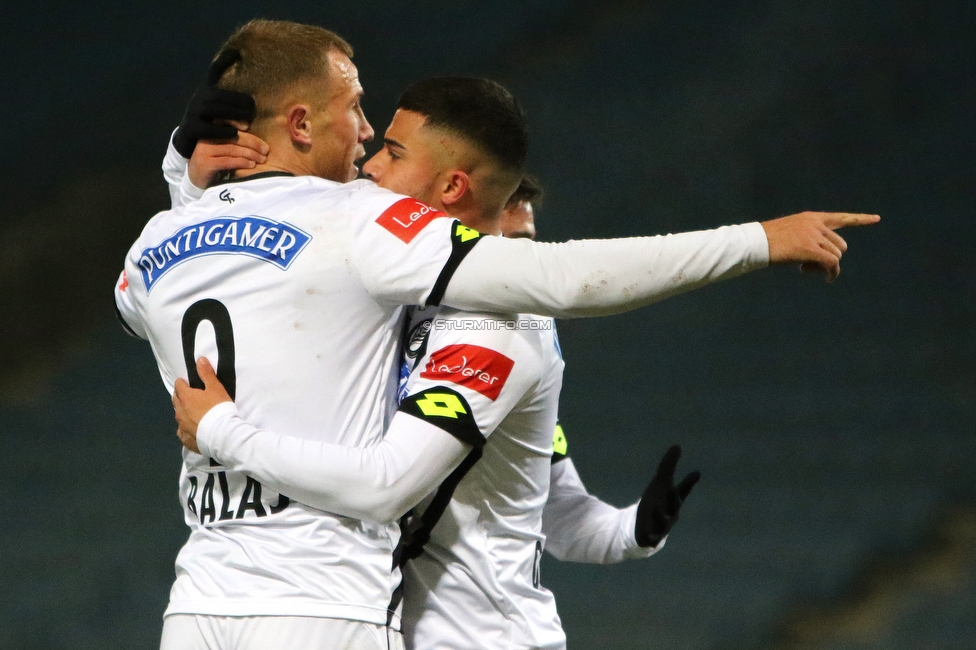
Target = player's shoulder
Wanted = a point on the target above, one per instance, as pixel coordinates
(390, 213)
(367, 193)
(161, 224)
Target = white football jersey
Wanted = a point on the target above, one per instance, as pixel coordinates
(265, 278)
(294, 286)
(472, 549)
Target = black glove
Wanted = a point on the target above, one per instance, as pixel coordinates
(658, 509)
(210, 103)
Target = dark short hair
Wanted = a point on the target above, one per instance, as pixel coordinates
(481, 111)
(529, 191)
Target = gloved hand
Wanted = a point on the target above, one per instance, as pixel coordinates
(210, 103)
(658, 509)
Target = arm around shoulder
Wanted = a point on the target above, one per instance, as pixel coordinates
(377, 483)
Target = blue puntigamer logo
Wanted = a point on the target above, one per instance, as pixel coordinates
(271, 241)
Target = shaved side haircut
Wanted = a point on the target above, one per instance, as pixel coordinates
(481, 111)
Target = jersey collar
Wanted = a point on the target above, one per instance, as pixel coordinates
(252, 177)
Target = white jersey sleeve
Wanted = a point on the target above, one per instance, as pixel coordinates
(599, 277)
(181, 190)
(593, 277)
(376, 483)
(455, 401)
(581, 528)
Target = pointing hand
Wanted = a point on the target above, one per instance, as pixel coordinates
(808, 239)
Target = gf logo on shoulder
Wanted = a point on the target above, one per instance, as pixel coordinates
(225, 196)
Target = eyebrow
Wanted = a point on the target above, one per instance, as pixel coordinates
(390, 142)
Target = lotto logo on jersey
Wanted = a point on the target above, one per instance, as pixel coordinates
(471, 366)
(407, 217)
(264, 239)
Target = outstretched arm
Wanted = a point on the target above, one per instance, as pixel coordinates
(602, 277)
(412, 254)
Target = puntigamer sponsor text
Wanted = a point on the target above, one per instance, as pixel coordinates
(271, 241)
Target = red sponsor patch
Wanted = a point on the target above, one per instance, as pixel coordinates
(407, 217)
(471, 366)
(124, 282)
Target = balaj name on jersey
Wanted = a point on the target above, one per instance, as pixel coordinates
(272, 241)
(241, 490)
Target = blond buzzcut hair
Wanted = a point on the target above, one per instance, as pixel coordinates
(275, 57)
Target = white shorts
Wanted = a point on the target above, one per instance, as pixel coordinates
(195, 632)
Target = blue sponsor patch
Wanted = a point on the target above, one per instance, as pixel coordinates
(272, 241)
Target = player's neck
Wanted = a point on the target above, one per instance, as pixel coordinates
(297, 167)
(282, 157)
(471, 214)
(269, 167)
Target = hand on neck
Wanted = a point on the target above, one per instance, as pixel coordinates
(283, 156)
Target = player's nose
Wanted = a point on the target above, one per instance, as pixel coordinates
(366, 132)
(371, 169)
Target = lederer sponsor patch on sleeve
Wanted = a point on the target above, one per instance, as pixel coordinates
(471, 366)
(276, 242)
(407, 217)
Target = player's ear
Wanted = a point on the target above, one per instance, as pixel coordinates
(455, 186)
(299, 126)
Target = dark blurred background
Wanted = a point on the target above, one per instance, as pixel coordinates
(833, 425)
